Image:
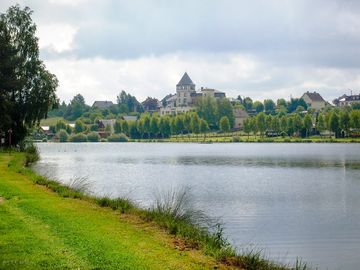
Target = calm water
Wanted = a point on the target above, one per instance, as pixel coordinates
(290, 200)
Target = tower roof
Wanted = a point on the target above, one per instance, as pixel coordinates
(185, 80)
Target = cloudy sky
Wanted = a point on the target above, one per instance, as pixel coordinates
(260, 48)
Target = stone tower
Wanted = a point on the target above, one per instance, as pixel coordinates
(184, 89)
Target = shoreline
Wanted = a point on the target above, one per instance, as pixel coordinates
(224, 255)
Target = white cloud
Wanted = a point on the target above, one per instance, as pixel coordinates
(57, 37)
(72, 3)
(103, 79)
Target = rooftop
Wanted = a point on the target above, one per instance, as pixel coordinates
(185, 80)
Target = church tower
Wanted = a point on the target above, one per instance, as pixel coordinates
(184, 89)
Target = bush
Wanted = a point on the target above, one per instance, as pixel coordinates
(103, 140)
(236, 139)
(63, 135)
(31, 154)
(79, 137)
(118, 138)
(93, 137)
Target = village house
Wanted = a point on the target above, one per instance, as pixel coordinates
(314, 100)
(186, 97)
(102, 105)
(240, 116)
(346, 100)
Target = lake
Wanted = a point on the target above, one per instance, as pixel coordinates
(288, 200)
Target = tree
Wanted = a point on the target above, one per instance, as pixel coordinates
(127, 103)
(260, 123)
(297, 123)
(308, 124)
(283, 124)
(195, 125)
(258, 106)
(117, 127)
(281, 103)
(146, 125)
(344, 121)
(320, 123)
(334, 123)
(275, 124)
(164, 127)
(248, 104)
(125, 127)
(179, 124)
(154, 125)
(63, 135)
(76, 108)
(295, 103)
(140, 127)
(247, 126)
(355, 119)
(27, 88)
(93, 137)
(60, 125)
(224, 124)
(79, 126)
(269, 106)
(224, 108)
(207, 110)
(204, 127)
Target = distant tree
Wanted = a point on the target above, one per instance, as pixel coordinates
(248, 104)
(179, 123)
(76, 108)
(204, 127)
(94, 127)
(344, 121)
(154, 125)
(140, 127)
(195, 125)
(79, 126)
(355, 106)
(146, 125)
(281, 103)
(125, 127)
(320, 123)
(269, 106)
(62, 135)
(290, 125)
(247, 126)
(260, 123)
(224, 108)
(61, 124)
(297, 123)
(127, 103)
(268, 121)
(334, 124)
(283, 124)
(117, 127)
(258, 106)
(253, 123)
(187, 122)
(308, 124)
(295, 103)
(27, 88)
(207, 110)
(355, 119)
(275, 124)
(164, 127)
(93, 137)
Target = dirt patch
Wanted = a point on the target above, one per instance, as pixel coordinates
(2, 200)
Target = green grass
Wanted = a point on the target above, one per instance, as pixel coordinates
(68, 229)
(41, 230)
(51, 121)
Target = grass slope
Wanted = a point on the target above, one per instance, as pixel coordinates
(41, 230)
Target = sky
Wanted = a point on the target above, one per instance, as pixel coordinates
(259, 48)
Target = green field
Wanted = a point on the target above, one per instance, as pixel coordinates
(41, 230)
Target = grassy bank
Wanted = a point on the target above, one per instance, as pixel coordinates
(45, 225)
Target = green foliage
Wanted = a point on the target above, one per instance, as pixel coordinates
(269, 106)
(61, 124)
(308, 124)
(118, 138)
(224, 124)
(63, 135)
(27, 88)
(117, 127)
(79, 126)
(127, 103)
(258, 106)
(93, 137)
(334, 123)
(260, 123)
(79, 137)
(31, 154)
(123, 205)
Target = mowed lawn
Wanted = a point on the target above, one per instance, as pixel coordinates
(41, 230)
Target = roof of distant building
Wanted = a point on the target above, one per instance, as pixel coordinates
(185, 80)
(314, 96)
(102, 104)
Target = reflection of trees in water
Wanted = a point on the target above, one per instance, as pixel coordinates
(243, 162)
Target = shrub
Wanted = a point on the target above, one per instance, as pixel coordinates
(31, 154)
(79, 137)
(118, 138)
(103, 140)
(63, 135)
(236, 139)
(93, 137)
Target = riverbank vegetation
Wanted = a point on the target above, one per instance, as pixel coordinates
(68, 229)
